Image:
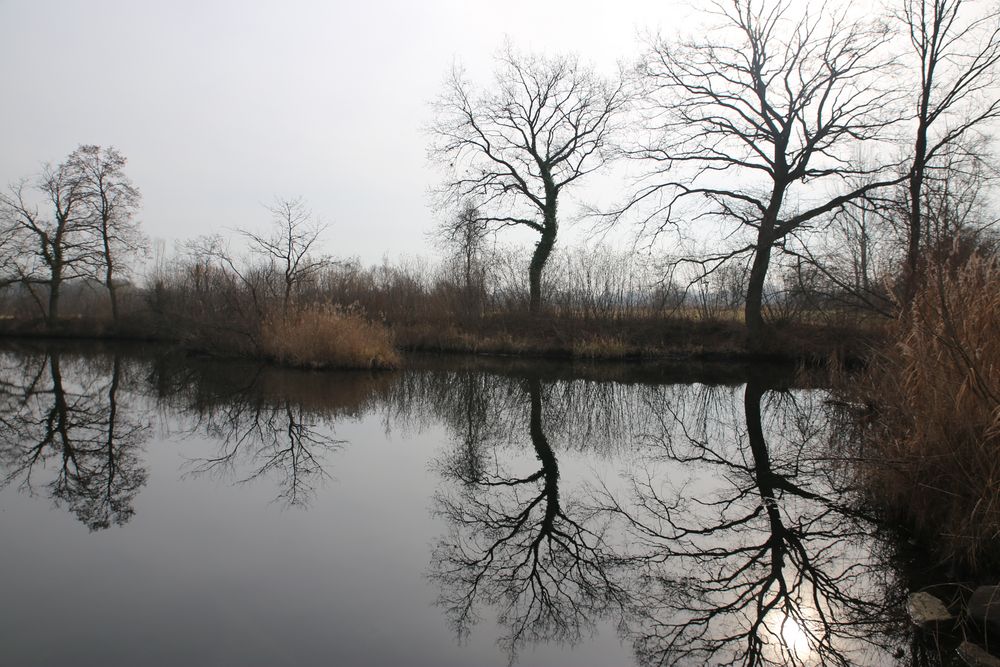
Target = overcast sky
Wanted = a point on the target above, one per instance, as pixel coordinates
(222, 106)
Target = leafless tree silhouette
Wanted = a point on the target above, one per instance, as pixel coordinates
(111, 201)
(749, 125)
(546, 124)
(290, 247)
(957, 47)
(49, 249)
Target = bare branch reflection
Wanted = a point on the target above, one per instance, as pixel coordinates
(515, 543)
(754, 556)
(72, 430)
(267, 423)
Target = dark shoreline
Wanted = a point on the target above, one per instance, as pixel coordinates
(562, 339)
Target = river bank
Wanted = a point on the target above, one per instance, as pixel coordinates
(517, 335)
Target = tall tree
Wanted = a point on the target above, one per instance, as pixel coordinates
(544, 125)
(111, 200)
(958, 49)
(752, 123)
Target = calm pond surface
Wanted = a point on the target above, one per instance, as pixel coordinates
(161, 510)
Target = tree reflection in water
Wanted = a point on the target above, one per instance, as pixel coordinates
(276, 440)
(268, 423)
(726, 538)
(514, 542)
(69, 427)
(752, 556)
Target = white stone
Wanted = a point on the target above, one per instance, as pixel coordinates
(925, 609)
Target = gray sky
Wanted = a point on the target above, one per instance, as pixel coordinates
(220, 106)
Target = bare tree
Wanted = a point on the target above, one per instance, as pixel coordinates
(958, 52)
(545, 124)
(49, 249)
(112, 200)
(289, 245)
(756, 120)
(853, 258)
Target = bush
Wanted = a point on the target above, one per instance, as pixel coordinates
(327, 337)
(932, 434)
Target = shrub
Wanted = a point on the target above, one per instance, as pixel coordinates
(327, 337)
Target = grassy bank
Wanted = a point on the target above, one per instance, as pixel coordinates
(323, 336)
(598, 304)
(315, 338)
(676, 337)
(928, 417)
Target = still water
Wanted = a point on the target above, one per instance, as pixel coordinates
(162, 510)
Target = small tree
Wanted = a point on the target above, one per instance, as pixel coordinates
(546, 124)
(463, 237)
(289, 245)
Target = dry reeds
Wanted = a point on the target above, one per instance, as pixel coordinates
(327, 337)
(602, 347)
(933, 438)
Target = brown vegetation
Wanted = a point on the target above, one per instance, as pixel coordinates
(930, 433)
(601, 305)
(327, 337)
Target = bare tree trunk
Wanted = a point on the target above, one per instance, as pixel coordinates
(915, 222)
(541, 255)
(753, 313)
(545, 244)
(550, 466)
(109, 281)
(55, 287)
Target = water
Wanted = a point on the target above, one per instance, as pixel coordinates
(162, 510)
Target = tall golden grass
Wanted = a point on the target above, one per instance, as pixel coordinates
(327, 337)
(933, 437)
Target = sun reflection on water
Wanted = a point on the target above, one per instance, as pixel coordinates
(796, 644)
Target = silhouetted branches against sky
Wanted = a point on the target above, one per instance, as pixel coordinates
(545, 123)
(747, 126)
(957, 51)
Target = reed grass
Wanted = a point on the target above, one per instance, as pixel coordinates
(932, 434)
(327, 337)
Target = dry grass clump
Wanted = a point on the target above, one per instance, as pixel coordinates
(933, 438)
(601, 347)
(327, 337)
